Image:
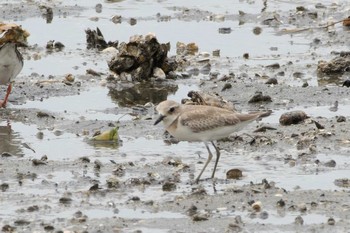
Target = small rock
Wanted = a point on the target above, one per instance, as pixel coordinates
(169, 186)
(6, 154)
(281, 203)
(273, 66)
(226, 86)
(234, 174)
(259, 97)
(8, 228)
(135, 198)
(4, 187)
(331, 221)
(158, 73)
(302, 208)
(65, 200)
(264, 215)
(305, 84)
(293, 117)
(225, 30)
(271, 81)
(341, 119)
(192, 210)
(299, 220)
(346, 83)
(330, 163)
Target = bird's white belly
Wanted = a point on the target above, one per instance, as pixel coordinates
(184, 133)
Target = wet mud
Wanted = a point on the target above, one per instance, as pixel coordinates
(295, 177)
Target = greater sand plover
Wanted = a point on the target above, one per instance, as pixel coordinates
(203, 124)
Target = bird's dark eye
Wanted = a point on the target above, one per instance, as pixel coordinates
(172, 109)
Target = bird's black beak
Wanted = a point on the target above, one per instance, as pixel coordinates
(161, 117)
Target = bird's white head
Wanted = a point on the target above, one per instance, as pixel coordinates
(169, 111)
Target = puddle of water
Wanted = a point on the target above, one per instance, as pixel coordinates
(88, 104)
(149, 150)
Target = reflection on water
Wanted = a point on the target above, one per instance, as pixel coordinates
(141, 93)
(9, 140)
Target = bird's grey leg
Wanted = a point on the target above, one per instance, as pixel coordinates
(210, 156)
(217, 159)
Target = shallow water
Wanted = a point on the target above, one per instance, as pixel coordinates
(94, 104)
(203, 32)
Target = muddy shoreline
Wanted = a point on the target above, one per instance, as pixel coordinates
(295, 178)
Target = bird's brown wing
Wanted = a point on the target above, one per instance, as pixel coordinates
(202, 118)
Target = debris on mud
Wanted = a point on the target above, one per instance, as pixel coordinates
(338, 65)
(141, 58)
(211, 99)
(14, 33)
(95, 39)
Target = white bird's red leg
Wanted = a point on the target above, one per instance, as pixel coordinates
(3, 103)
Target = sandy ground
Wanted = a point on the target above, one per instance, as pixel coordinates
(295, 178)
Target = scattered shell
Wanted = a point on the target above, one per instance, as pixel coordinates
(234, 174)
(108, 135)
(6, 154)
(293, 117)
(341, 119)
(257, 206)
(337, 65)
(318, 125)
(37, 162)
(158, 73)
(21, 222)
(200, 217)
(225, 30)
(112, 182)
(69, 78)
(216, 53)
(344, 183)
(117, 19)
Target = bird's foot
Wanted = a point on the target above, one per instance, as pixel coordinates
(2, 104)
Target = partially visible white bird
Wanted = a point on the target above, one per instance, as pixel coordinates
(11, 63)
